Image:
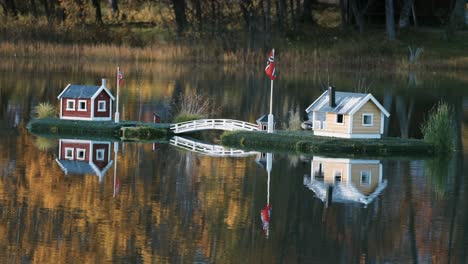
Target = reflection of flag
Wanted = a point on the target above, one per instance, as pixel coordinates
(119, 76)
(116, 186)
(270, 67)
(265, 216)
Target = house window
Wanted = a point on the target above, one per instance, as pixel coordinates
(339, 119)
(80, 154)
(365, 177)
(82, 105)
(101, 106)
(367, 119)
(69, 153)
(71, 105)
(337, 176)
(100, 154)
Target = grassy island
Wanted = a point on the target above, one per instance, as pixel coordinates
(126, 130)
(305, 142)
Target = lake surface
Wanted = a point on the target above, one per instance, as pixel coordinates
(145, 203)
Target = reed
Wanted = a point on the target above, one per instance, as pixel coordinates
(45, 110)
(438, 128)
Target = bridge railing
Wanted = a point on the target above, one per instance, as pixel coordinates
(208, 149)
(205, 124)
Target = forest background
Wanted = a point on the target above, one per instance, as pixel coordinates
(391, 34)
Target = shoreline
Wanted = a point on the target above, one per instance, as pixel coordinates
(299, 142)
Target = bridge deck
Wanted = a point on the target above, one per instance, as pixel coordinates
(210, 124)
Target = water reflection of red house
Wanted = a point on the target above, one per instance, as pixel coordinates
(83, 157)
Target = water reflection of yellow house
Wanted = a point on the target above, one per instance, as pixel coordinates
(352, 180)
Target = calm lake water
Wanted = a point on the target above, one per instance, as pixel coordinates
(145, 203)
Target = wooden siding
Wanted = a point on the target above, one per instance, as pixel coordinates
(75, 147)
(333, 127)
(102, 96)
(101, 164)
(370, 108)
(328, 169)
(356, 177)
(76, 113)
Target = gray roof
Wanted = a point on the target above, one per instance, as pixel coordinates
(76, 167)
(79, 91)
(345, 102)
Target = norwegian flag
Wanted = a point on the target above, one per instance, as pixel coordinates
(119, 76)
(270, 66)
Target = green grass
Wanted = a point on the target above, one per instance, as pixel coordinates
(305, 142)
(95, 129)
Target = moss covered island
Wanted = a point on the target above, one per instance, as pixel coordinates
(306, 142)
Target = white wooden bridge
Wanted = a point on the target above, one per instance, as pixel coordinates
(208, 124)
(208, 149)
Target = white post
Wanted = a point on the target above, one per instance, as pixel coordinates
(270, 116)
(116, 150)
(268, 167)
(117, 114)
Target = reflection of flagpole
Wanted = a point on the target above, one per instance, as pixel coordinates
(269, 161)
(117, 114)
(116, 150)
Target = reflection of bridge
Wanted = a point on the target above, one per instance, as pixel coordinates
(208, 149)
(208, 124)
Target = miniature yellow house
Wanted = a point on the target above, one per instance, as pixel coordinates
(347, 115)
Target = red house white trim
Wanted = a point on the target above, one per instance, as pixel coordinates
(86, 102)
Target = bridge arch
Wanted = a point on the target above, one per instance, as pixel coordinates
(210, 124)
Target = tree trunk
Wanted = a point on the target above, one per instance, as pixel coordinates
(344, 11)
(405, 13)
(46, 10)
(267, 25)
(281, 9)
(307, 11)
(115, 8)
(179, 11)
(33, 8)
(97, 9)
(293, 20)
(390, 20)
(11, 7)
(457, 18)
(198, 14)
(358, 15)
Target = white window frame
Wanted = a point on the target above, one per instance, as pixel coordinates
(335, 173)
(79, 105)
(100, 154)
(70, 108)
(72, 151)
(371, 119)
(369, 175)
(342, 123)
(104, 105)
(78, 151)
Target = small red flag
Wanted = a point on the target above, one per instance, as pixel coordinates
(119, 76)
(270, 66)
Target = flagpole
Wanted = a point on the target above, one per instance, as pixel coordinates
(270, 116)
(117, 114)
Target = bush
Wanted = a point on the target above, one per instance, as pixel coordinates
(294, 122)
(437, 130)
(192, 106)
(45, 110)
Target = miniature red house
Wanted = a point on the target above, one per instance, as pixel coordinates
(83, 157)
(86, 102)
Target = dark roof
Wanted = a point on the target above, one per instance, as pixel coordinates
(263, 119)
(80, 91)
